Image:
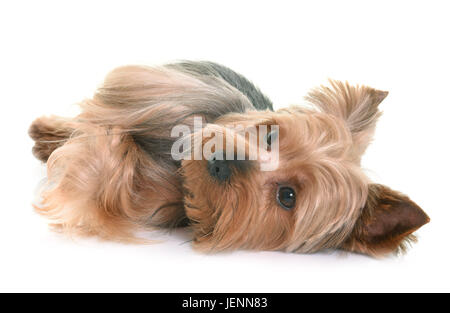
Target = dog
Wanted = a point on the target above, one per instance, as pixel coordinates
(111, 170)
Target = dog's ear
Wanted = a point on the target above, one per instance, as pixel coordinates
(386, 223)
(357, 105)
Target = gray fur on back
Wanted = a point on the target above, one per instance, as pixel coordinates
(206, 68)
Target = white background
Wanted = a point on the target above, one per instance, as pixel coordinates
(54, 53)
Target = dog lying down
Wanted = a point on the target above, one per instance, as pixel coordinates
(194, 144)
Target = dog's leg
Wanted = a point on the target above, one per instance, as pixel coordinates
(49, 133)
(112, 172)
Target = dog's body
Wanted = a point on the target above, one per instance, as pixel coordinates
(111, 170)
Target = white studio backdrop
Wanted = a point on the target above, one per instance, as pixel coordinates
(54, 53)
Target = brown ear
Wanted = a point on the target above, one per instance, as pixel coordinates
(357, 105)
(386, 223)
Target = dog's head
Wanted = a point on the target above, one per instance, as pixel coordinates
(298, 185)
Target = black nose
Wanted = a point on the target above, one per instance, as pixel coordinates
(218, 167)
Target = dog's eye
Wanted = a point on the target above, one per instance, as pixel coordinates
(271, 137)
(286, 197)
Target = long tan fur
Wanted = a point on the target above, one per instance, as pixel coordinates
(111, 173)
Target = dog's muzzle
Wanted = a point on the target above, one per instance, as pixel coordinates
(218, 167)
(222, 169)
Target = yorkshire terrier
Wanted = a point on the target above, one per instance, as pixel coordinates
(112, 170)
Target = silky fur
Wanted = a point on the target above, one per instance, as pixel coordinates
(315, 159)
(110, 172)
